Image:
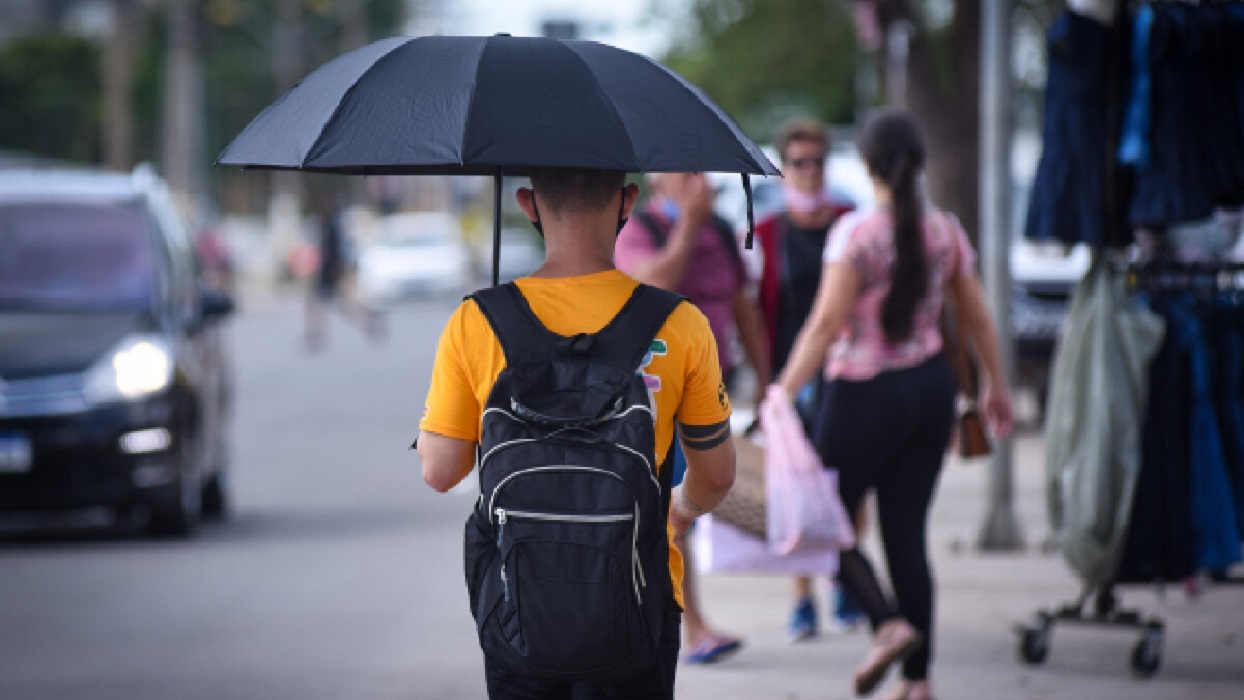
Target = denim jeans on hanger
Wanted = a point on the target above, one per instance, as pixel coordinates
(1159, 534)
(1215, 533)
(1227, 330)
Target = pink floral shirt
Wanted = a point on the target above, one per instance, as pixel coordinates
(865, 240)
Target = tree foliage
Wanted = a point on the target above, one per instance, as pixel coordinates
(50, 97)
(765, 61)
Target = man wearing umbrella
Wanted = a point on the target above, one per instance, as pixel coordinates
(578, 290)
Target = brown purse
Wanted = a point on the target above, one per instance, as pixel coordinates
(972, 439)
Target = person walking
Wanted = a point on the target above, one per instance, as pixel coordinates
(889, 399)
(678, 243)
(334, 281)
(577, 292)
(791, 241)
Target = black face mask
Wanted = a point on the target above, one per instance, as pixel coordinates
(539, 227)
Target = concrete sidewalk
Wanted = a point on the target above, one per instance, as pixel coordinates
(980, 600)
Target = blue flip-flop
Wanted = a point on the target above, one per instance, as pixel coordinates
(712, 651)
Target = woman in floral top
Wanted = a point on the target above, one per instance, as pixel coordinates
(888, 406)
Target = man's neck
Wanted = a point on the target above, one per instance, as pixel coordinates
(575, 251)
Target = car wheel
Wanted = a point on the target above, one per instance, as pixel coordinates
(179, 516)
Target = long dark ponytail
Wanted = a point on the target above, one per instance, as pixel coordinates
(893, 150)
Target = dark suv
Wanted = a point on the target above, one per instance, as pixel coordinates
(114, 383)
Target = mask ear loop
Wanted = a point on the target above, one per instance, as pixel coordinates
(621, 210)
(539, 227)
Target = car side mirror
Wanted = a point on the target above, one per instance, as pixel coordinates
(215, 305)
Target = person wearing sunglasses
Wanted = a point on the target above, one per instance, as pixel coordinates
(792, 241)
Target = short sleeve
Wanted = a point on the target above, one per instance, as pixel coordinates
(965, 254)
(452, 408)
(634, 245)
(841, 245)
(704, 399)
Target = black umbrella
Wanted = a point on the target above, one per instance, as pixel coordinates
(495, 106)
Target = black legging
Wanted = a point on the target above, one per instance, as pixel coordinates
(890, 434)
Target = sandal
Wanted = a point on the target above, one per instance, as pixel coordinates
(894, 643)
(712, 651)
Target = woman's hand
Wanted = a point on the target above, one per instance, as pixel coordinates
(995, 403)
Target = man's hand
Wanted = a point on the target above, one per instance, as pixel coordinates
(682, 512)
(694, 197)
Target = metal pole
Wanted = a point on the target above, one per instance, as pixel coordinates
(1000, 531)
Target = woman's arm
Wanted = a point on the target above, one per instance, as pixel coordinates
(982, 340)
(834, 299)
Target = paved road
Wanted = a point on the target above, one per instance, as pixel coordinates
(340, 575)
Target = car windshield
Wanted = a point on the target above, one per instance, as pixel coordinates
(74, 255)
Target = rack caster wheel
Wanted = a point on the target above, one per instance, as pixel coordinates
(1034, 641)
(1147, 654)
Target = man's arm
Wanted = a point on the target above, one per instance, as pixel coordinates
(710, 474)
(667, 266)
(749, 321)
(446, 460)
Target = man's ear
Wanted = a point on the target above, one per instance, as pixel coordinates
(630, 195)
(527, 202)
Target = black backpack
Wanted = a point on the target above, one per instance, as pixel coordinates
(566, 551)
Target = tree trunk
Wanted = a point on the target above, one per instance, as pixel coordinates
(943, 94)
(118, 71)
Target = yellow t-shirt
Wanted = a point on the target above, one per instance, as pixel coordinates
(683, 375)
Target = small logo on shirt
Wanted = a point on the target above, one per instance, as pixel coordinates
(722, 397)
(657, 347)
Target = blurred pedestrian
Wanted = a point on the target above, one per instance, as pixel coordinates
(577, 291)
(888, 404)
(678, 243)
(334, 282)
(792, 241)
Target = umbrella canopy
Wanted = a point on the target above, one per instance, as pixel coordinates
(479, 105)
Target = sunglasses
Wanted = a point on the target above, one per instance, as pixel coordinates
(806, 162)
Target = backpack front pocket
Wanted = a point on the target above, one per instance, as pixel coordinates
(573, 587)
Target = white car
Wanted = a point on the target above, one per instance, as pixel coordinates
(414, 254)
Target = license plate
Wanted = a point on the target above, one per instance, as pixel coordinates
(15, 455)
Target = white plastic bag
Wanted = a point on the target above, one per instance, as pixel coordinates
(804, 509)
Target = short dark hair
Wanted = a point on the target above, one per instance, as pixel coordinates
(801, 130)
(576, 188)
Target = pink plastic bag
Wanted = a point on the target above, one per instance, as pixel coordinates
(804, 509)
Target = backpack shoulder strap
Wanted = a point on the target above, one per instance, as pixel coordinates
(626, 340)
(523, 337)
(654, 227)
(659, 235)
(728, 241)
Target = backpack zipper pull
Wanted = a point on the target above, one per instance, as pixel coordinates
(505, 581)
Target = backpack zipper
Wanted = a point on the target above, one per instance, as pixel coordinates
(638, 579)
(652, 476)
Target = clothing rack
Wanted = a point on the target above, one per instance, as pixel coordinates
(1100, 607)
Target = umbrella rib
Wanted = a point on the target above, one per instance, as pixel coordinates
(608, 99)
(316, 150)
(725, 117)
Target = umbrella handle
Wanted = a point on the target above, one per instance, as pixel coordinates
(496, 228)
(751, 216)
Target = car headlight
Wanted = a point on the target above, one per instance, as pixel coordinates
(138, 366)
